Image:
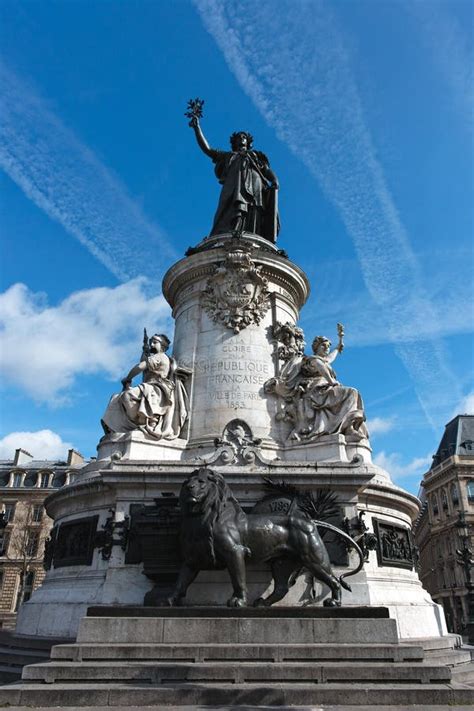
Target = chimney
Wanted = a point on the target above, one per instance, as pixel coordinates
(74, 458)
(22, 457)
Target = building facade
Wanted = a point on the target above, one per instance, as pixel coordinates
(24, 525)
(445, 527)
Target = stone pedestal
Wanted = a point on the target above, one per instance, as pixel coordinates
(282, 657)
(227, 298)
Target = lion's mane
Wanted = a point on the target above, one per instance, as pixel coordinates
(197, 532)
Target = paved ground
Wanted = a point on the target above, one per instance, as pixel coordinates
(243, 708)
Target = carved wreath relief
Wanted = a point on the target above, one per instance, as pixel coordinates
(237, 293)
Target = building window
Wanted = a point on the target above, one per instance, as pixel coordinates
(17, 479)
(1, 580)
(434, 504)
(455, 494)
(470, 491)
(37, 513)
(30, 480)
(444, 499)
(28, 587)
(9, 510)
(44, 480)
(59, 479)
(4, 541)
(32, 542)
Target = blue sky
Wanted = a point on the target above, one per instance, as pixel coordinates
(366, 112)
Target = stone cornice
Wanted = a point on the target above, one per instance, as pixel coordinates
(456, 462)
(73, 491)
(197, 267)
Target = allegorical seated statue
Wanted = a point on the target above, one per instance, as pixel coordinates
(216, 534)
(158, 406)
(248, 200)
(312, 398)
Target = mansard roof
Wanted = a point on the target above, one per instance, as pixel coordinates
(458, 438)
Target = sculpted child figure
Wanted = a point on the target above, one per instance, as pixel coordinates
(158, 405)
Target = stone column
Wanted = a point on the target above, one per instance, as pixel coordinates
(225, 301)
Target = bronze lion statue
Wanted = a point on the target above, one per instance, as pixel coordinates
(217, 534)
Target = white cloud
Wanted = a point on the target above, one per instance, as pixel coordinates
(92, 331)
(393, 463)
(380, 425)
(64, 178)
(43, 444)
(292, 61)
(466, 406)
(449, 45)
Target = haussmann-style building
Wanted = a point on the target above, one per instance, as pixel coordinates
(25, 482)
(444, 532)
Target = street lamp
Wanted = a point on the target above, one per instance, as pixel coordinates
(465, 557)
(3, 525)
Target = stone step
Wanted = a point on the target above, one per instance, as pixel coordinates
(241, 673)
(18, 641)
(207, 707)
(274, 612)
(20, 657)
(17, 651)
(237, 630)
(449, 657)
(464, 673)
(9, 674)
(252, 695)
(449, 641)
(238, 652)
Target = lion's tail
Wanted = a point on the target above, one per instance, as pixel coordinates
(350, 540)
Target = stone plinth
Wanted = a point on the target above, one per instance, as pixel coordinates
(57, 607)
(230, 368)
(228, 298)
(280, 657)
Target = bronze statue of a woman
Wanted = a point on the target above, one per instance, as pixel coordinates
(248, 200)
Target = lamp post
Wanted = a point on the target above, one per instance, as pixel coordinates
(3, 525)
(465, 557)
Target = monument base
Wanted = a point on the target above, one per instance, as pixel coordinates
(201, 656)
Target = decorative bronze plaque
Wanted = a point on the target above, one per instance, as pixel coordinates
(154, 539)
(75, 542)
(394, 545)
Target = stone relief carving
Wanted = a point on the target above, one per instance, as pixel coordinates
(309, 395)
(159, 405)
(291, 338)
(236, 295)
(360, 532)
(74, 543)
(394, 545)
(236, 446)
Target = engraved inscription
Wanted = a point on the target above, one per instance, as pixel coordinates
(230, 381)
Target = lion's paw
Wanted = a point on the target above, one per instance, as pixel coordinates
(260, 602)
(329, 602)
(236, 602)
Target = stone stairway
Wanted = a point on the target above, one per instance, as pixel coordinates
(16, 651)
(259, 657)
